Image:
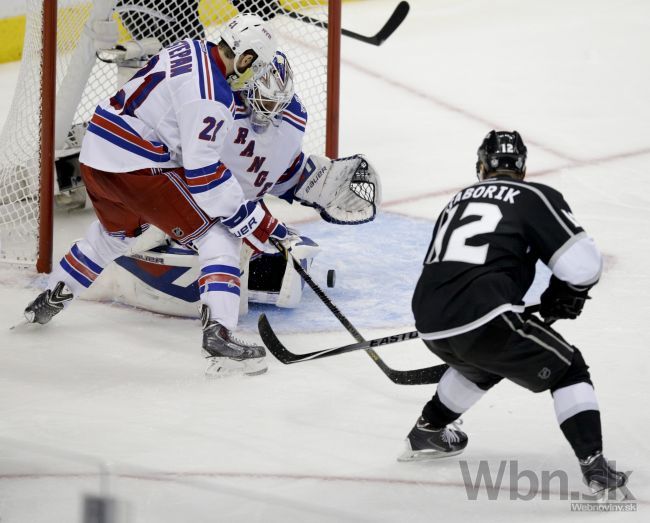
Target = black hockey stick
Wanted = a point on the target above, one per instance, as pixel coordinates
(287, 357)
(395, 20)
(423, 376)
(401, 377)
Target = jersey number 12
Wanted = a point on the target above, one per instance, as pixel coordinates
(489, 215)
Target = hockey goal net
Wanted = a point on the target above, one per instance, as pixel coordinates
(308, 32)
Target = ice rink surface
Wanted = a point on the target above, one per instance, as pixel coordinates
(111, 399)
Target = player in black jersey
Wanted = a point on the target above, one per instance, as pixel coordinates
(469, 311)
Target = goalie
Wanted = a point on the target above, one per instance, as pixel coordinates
(258, 154)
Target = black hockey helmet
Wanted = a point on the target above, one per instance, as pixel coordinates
(502, 151)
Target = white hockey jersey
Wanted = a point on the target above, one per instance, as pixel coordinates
(176, 111)
(268, 162)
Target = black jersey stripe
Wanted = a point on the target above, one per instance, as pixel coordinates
(540, 195)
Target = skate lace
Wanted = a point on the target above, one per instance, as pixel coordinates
(450, 434)
(239, 341)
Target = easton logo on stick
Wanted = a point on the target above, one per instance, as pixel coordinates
(393, 339)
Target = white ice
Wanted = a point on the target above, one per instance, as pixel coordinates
(108, 398)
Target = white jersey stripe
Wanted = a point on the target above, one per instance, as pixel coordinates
(473, 325)
(536, 340)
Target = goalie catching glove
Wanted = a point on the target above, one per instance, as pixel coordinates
(255, 225)
(345, 191)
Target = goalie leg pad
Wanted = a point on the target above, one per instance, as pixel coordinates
(163, 276)
(162, 279)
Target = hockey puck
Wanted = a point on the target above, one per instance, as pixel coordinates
(331, 278)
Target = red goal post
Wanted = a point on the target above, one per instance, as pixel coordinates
(61, 80)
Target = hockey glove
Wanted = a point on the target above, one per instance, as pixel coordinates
(255, 225)
(562, 300)
(345, 191)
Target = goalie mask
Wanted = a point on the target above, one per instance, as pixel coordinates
(270, 94)
(249, 33)
(501, 151)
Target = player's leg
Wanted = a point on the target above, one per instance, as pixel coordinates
(219, 285)
(536, 357)
(436, 433)
(76, 271)
(578, 415)
(169, 205)
(105, 240)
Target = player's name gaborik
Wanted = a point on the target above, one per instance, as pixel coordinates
(493, 191)
(393, 339)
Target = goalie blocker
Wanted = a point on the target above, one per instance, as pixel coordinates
(163, 279)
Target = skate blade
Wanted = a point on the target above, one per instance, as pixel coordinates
(608, 495)
(425, 455)
(419, 455)
(225, 367)
(22, 325)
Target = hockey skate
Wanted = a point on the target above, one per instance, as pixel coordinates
(426, 443)
(48, 304)
(228, 355)
(600, 477)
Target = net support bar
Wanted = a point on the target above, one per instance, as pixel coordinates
(333, 78)
(48, 101)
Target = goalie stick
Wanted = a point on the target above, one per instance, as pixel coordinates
(423, 376)
(393, 22)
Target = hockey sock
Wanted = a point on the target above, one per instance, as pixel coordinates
(454, 396)
(437, 415)
(576, 408)
(583, 433)
(219, 281)
(219, 288)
